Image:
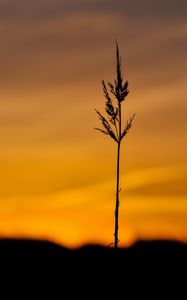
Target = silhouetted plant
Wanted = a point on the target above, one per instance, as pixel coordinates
(112, 124)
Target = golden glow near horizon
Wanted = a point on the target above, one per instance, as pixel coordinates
(57, 178)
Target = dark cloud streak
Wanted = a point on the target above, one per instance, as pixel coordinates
(47, 8)
(52, 42)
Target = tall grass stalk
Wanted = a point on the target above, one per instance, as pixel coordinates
(115, 93)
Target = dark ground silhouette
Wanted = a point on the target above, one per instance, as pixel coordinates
(45, 267)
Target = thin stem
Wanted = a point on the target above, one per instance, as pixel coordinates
(119, 107)
(116, 213)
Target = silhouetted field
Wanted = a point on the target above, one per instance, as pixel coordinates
(47, 266)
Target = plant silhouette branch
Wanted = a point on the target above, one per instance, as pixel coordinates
(112, 126)
(127, 127)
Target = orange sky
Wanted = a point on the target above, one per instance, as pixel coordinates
(57, 178)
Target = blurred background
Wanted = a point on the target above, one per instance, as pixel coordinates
(57, 178)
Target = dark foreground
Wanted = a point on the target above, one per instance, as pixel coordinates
(46, 267)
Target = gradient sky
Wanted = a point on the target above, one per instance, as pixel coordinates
(57, 178)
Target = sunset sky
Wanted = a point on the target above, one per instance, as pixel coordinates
(57, 178)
